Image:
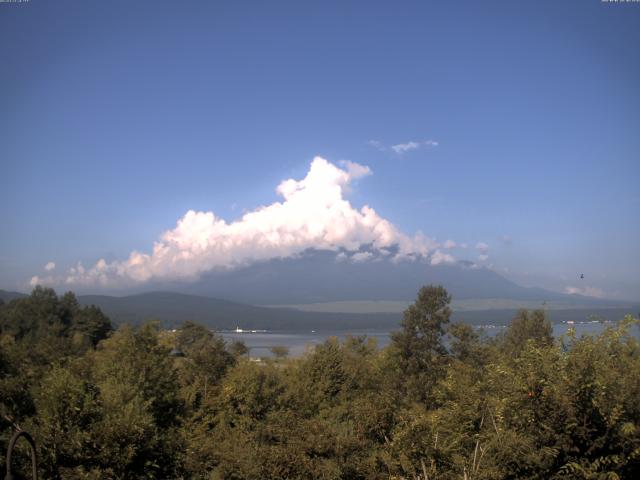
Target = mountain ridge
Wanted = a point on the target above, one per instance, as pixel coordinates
(319, 276)
(172, 309)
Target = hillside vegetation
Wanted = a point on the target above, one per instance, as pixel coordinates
(440, 402)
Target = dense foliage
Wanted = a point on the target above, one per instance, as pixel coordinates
(440, 402)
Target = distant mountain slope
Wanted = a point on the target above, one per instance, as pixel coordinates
(7, 296)
(174, 308)
(317, 276)
(320, 277)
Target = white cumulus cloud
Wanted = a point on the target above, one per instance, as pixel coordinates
(585, 291)
(450, 244)
(439, 257)
(405, 147)
(50, 266)
(482, 247)
(401, 148)
(376, 144)
(361, 257)
(312, 213)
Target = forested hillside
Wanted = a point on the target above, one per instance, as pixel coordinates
(440, 402)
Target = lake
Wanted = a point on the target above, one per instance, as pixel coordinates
(259, 342)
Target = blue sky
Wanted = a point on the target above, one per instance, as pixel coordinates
(116, 118)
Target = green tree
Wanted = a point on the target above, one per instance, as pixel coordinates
(465, 344)
(137, 435)
(528, 326)
(205, 362)
(68, 408)
(322, 376)
(418, 348)
(280, 352)
(91, 325)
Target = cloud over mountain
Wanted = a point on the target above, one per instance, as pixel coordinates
(313, 214)
(482, 247)
(585, 291)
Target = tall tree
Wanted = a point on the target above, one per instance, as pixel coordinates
(528, 326)
(418, 347)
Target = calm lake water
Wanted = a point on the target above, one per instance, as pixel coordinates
(297, 342)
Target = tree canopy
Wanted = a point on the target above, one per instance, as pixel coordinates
(442, 401)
